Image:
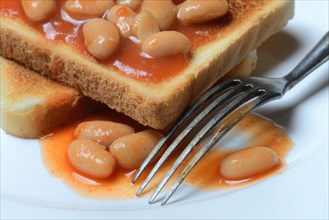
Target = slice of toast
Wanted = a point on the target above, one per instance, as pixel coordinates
(33, 106)
(156, 104)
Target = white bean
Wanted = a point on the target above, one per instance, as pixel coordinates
(166, 43)
(103, 132)
(131, 150)
(164, 12)
(199, 11)
(248, 162)
(91, 158)
(38, 10)
(145, 25)
(123, 17)
(86, 9)
(101, 38)
(132, 4)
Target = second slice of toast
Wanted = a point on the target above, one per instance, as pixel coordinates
(33, 106)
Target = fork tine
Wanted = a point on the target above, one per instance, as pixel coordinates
(216, 105)
(185, 117)
(249, 101)
(219, 101)
(195, 107)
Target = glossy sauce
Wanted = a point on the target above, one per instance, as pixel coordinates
(128, 59)
(205, 176)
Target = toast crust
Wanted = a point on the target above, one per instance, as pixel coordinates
(33, 106)
(153, 104)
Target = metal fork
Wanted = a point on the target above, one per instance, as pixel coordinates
(229, 101)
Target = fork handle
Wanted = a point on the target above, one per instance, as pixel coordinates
(315, 58)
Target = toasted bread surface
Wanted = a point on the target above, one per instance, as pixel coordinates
(32, 105)
(153, 104)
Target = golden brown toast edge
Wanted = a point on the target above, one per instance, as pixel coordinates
(33, 106)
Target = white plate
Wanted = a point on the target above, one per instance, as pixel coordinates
(28, 191)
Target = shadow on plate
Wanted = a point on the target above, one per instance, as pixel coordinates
(283, 115)
(270, 54)
(275, 51)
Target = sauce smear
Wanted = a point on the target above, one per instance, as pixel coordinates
(205, 176)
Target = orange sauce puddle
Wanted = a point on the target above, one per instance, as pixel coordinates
(205, 176)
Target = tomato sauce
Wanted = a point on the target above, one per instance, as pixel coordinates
(205, 176)
(128, 60)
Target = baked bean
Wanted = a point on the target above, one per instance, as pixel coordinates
(86, 9)
(101, 38)
(38, 10)
(164, 12)
(145, 25)
(166, 43)
(103, 132)
(131, 150)
(91, 158)
(199, 11)
(248, 162)
(132, 4)
(123, 17)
